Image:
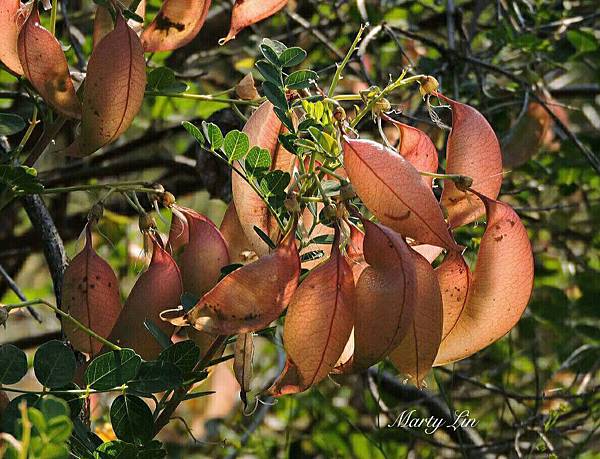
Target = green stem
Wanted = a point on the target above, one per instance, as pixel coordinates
(71, 391)
(119, 187)
(30, 128)
(333, 174)
(340, 68)
(90, 332)
(389, 89)
(347, 97)
(204, 97)
(26, 428)
(53, 14)
(454, 177)
(252, 185)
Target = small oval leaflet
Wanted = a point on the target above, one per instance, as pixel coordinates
(54, 364)
(13, 364)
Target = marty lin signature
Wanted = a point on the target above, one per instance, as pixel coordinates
(408, 419)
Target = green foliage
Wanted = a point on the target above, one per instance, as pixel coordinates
(54, 364)
(112, 369)
(13, 364)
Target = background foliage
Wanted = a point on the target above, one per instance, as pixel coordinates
(535, 391)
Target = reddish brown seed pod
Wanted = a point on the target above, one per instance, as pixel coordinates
(263, 129)
(251, 297)
(114, 89)
(318, 324)
(175, 25)
(248, 12)
(91, 295)
(417, 148)
(393, 190)
(157, 289)
(416, 353)
(9, 31)
(204, 250)
(500, 288)
(45, 66)
(473, 150)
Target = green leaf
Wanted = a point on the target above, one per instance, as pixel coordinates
(131, 419)
(213, 135)
(275, 182)
(288, 141)
(116, 449)
(275, 45)
(157, 376)
(13, 364)
(11, 124)
(312, 255)
(264, 237)
(284, 118)
(301, 79)
(275, 95)
(163, 79)
(73, 400)
(112, 369)
(327, 142)
(11, 414)
(54, 364)
(322, 239)
(157, 334)
(129, 14)
(194, 131)
(193, 395)
(257, 161)
(228, 269)
(270, 54)
(184, 354)
(270, 72)
(292, 56)
(235, 145)
(582, 40)
(20, 179)
(153, 450)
